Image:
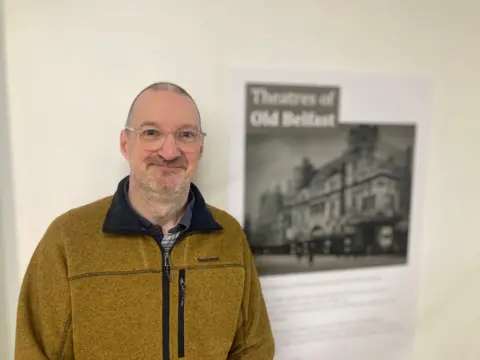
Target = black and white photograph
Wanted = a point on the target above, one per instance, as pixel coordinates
(322, 195)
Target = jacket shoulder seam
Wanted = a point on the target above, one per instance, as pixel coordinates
(150, 271)
(113, 273)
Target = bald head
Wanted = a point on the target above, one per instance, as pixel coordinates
(158, 87)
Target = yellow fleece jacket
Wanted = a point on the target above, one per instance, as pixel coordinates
(89, 294)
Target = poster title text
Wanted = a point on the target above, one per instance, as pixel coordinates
(292, 107)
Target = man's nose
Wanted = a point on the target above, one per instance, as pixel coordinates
(169, 149)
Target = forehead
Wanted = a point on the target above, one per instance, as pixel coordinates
(165, 109)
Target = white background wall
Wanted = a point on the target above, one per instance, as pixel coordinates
(74, 67)
(8, 265)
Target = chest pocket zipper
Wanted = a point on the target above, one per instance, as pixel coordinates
(181, 313)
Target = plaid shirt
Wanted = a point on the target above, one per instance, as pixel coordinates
(170, 238)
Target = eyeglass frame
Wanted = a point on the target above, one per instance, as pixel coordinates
(166, 133)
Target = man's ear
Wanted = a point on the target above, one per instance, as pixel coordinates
(124, 144)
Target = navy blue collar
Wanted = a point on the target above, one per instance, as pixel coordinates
(121, 218)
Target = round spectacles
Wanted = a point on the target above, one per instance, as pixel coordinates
(153, 139)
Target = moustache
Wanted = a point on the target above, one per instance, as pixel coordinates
(179, 162)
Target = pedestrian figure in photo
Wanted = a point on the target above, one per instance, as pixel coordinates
(299, 250)
(311, 252)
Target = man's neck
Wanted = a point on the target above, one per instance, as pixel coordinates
(163, 210)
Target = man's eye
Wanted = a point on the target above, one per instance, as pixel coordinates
(150, 132)
(186, 134)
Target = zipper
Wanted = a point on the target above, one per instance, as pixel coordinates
(166, 304)
(168, 266)
(181, 313)
(166, 279)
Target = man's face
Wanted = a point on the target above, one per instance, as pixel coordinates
(167, 166)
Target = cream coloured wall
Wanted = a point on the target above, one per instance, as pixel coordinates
(74, 67)
(8, 265)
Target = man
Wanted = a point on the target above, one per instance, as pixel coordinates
(152, 272)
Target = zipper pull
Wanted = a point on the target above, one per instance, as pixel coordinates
(167, 266)
(183, 290)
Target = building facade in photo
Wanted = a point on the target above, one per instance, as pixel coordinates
(358, 203)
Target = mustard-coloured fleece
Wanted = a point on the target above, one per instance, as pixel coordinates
(88, 295)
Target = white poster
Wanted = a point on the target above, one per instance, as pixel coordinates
(326, 177)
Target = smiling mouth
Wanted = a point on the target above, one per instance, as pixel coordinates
(168, 168)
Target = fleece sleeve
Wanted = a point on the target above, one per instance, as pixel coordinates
(43, 328)
(254, 338)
